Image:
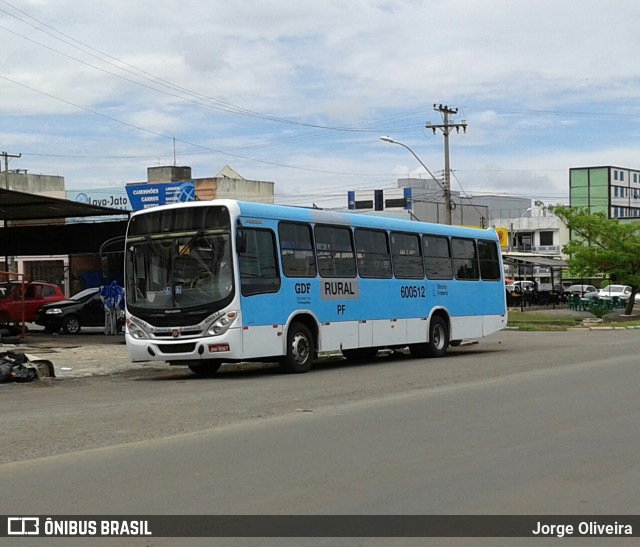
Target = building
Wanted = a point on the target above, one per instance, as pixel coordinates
(614, 191)
(420, 199)
(172, 184)
(534, 245)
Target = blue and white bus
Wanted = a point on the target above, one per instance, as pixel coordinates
(227, 281)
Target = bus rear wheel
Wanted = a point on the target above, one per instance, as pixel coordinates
(205, 368)
(300, 350)
(438, 340)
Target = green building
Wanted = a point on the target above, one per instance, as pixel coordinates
(614, 191)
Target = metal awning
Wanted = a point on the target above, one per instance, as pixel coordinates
(22, 206)
(40, 237)
(546, 261)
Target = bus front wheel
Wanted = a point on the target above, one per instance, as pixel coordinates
(300, 350)
(204, 368)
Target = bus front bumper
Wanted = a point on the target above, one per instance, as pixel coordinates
(225, 347)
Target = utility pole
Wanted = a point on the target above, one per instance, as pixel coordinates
(6, 157)
(446, 128)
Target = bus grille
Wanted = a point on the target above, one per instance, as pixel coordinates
(177, 348)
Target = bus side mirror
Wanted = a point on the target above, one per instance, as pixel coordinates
(241, 240)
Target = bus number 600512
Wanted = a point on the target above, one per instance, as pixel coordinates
(412, 291)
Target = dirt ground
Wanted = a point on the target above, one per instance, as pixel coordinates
(74, 356)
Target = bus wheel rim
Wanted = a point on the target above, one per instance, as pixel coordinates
(438, 336)
(300, 348)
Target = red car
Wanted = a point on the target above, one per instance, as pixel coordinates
(36, 295)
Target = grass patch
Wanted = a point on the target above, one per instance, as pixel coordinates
(521, 319)
(549, 322)
(525, 317)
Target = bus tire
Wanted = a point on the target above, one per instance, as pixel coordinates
(455, 343)
(438, 340)
(360, 354)
(438, 337)
(300, 350)
(205, 368)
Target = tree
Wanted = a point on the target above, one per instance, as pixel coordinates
(603, 245)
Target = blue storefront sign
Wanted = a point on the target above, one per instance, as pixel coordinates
(144, 196)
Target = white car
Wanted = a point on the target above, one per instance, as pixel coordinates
(581, 290)
(520, 286)
(621, 291)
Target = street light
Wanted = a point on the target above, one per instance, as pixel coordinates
(445, 189)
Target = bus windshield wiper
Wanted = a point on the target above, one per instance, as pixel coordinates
(190, 243)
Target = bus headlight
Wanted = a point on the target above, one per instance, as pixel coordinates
(135, 331)
(221, 325)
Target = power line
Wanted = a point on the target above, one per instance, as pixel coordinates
(184, 94)
(183, 141)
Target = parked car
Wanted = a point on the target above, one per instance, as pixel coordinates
(621, 291)
(30, 296)
(581, 290)
(84, 309)
(521, 286)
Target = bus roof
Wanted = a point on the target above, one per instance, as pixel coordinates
(348, 218)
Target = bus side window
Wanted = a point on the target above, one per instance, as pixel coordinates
(406, 255)
(258, 263)
(489, 261)
(334, 249)
(465, 259)
(437, 257)
(296, 250)
(372, 251)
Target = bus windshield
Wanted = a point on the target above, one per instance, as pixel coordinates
(179, 270)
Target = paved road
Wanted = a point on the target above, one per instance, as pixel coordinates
(534, 423)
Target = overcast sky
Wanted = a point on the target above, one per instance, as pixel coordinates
(298, 92)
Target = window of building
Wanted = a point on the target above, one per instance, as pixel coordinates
(406, 256)
(546, 238)
(334, 250)
(437, 257)
(372, 253)
(296, 250)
